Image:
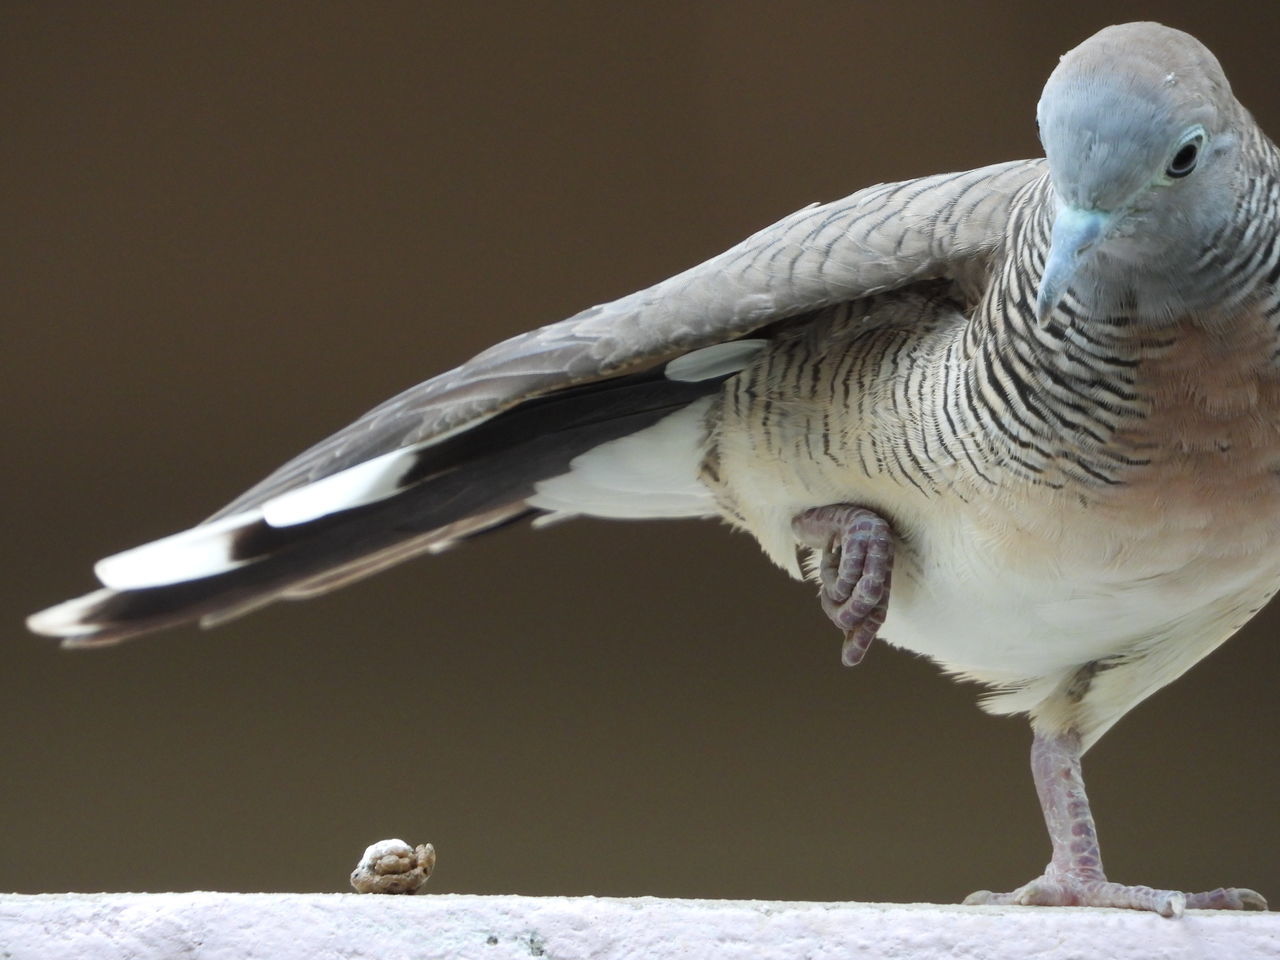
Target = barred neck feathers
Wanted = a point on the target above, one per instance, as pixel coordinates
(1154, 234)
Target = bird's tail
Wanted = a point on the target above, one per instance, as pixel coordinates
(626, 447)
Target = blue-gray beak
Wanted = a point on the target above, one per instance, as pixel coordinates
(1075, 231)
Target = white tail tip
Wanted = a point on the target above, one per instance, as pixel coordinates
(67, 618)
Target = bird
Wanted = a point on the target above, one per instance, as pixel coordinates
(1023, 420)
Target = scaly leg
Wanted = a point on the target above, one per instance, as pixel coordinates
(1074, 876)
(855, 569)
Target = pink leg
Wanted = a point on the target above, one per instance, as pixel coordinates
(856, 568)
(1074, 876)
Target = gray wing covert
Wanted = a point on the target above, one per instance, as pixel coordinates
(877, 239)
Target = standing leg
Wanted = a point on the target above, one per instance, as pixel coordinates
(1074, 876)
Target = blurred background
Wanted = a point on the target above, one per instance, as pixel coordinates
(230, 228)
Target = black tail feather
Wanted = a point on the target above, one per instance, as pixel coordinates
(486, 472)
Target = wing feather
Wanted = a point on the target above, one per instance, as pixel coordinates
(879, 238)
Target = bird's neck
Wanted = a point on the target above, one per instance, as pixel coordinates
(1116, 379)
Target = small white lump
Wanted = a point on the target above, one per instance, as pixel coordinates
(392, 866)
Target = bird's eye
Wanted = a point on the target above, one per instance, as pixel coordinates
(1184, 161)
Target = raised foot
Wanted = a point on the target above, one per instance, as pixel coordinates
(855, 568)
(1070, 891)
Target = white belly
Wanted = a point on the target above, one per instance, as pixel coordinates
(1007, 591)
(1009, 611)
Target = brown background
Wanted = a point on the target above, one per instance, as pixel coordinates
(228, 228)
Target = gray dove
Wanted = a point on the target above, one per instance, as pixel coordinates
(1024, 420)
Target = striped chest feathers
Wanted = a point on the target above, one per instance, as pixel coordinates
(1167, 460)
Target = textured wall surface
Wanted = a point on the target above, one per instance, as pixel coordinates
(228, 228)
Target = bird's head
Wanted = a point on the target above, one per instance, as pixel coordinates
(1139, 129)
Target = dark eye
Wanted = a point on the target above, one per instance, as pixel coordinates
(1184, 161)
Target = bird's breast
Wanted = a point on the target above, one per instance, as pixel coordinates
(1180, 546)
(999, 574)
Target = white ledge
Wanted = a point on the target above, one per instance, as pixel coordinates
(320, 926)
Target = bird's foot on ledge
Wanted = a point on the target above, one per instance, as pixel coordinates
(1054, 889)
(855, 569)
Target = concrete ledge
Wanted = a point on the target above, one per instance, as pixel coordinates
(229, 926)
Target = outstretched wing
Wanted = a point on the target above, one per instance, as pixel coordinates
(877, 239)
(466, 451)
